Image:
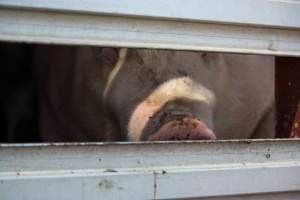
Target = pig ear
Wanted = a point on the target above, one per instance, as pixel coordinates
(106, 56)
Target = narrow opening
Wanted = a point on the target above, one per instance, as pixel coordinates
(56, 93)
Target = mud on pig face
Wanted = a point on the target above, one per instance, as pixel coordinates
(160, 95)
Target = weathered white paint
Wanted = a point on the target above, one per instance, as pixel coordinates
(150, 170)
(275, 13)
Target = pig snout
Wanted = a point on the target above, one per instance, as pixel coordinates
(183, 129)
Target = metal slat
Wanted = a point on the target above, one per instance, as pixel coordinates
(159, 170)
(83, 29)
(274, 13)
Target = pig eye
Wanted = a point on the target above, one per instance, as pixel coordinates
(182, 72)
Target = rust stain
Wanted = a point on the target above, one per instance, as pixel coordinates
(268, 156)
(107, 184)
(110, 170)
(154, 185)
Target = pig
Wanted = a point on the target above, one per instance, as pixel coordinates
(120, 94)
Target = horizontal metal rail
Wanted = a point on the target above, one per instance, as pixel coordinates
(162, 170)
(273, 13)
(62, 24)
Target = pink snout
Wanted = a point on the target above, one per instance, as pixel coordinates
(183, 129)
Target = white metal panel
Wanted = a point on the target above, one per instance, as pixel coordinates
(272, 196)
(159, 170)
(83, 29)
(275, 13)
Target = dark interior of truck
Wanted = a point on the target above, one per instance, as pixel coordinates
(19, 95)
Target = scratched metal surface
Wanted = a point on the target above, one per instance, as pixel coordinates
(157, 170)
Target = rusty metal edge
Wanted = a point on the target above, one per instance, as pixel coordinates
(61, 144)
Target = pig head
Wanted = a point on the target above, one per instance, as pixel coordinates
(140, 94)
